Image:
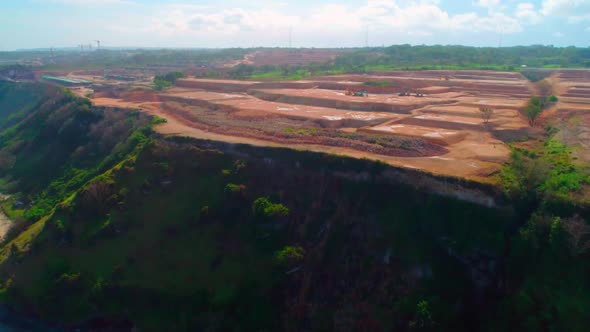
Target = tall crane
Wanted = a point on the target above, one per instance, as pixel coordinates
(97, 44)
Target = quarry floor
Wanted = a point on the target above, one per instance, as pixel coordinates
(440, 133)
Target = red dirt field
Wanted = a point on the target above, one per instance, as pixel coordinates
(337, 99)
(247, 106)
(572, 112)
(441, 133)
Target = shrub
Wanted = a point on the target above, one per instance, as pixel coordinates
(289, 255)
(164, 81)
(262, 207)
(486, 113)
(233, 188)
(553, 177)
(157, 120)
(423, 319)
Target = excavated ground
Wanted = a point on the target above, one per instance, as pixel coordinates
(572, 112)
(441, 132)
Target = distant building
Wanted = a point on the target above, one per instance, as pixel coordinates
(66, 81)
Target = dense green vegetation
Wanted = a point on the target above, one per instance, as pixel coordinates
(535, 75)
(549, 261)
(536, 106)
(438, 56)
(59, 144)
(164, 81)
(170, 234)
(22, 98)
(407, 57)
(114, 58)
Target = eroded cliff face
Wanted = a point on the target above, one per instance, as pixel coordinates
(487, 195)
(174, 226)
(178, 234)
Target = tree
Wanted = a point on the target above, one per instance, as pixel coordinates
(164, 81)
(486, 114)
(533, 109)
(98, 196)
(532, 112)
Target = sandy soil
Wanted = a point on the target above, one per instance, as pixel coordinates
(482, 159)
(251, 106)
(448, 116)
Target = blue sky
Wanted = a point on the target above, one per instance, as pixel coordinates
(332, 23)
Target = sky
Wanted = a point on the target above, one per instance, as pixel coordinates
(303, 23)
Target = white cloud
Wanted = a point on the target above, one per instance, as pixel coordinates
(421, 17)
(558, 34)
(488, 3)
(526, 12)
(90, 2)
(325, 25)
(574, 11)
(491, 5)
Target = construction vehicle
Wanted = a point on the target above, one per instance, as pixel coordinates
(349, 92)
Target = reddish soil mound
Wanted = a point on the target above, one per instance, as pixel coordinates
(358, 87)
(408, 147)
(575, 75)
(215, 85)
(199, 102)
(578, 92)
(450, 125)
(284, 85)
(459, 74)
(140, 95)
(332, 103)
(107, 94)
